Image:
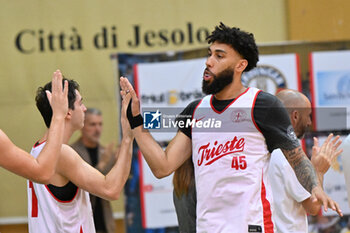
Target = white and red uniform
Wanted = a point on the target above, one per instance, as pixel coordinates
(47, 214)
(231, 163)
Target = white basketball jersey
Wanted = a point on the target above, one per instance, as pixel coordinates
(48, 214)
(233, 192)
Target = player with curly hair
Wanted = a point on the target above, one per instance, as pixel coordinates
(231, 161)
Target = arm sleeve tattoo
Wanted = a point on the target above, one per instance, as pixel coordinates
(303, 168)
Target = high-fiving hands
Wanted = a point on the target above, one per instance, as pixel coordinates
(132, 110)
(58, 96)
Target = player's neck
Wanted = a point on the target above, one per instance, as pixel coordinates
(66, 136)
(231, 91)
(68, 132)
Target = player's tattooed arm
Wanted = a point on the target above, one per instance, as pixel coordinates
(303, 168)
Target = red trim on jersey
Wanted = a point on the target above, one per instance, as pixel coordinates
(136, 79)
(38, 144)
(34, 201)
(142, 193)
(234, 100)
(252, 112)
(59, 199)
(312, 92)
(195, 111)
(298, 72)
(268, 224)
(81, 229)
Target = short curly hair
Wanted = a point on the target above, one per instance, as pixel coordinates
(241, 41)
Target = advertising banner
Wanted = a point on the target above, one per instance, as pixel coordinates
(171, 86)
(330, 89)
(275, 72)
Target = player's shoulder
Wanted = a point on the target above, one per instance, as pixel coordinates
(266, 96)
(191, 106)
(67, 150)
(194, 103)
(3, 137)
(66, 147)
(267, 99)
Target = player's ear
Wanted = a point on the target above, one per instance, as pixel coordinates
(69, 114)
(295, 115)
(241, 65)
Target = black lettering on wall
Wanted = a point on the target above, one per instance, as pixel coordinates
(19, 41)
(136, 41)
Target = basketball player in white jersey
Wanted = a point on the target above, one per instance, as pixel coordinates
(42, 168)
(290, 199)
(230, 163)
(63, 206)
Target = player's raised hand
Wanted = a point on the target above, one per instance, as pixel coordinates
(322, 157)
(58, 97)
(127, 89)
(126, 98)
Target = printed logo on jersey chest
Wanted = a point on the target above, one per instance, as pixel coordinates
(239, 115)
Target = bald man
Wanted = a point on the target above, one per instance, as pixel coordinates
(291, 202)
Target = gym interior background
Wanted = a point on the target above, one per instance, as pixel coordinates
(79, 37)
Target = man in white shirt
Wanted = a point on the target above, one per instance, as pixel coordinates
(291, 201)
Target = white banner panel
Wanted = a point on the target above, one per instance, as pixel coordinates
(275, 72)
(334, 182)
(173, 85)
(330, 89)
(156, 199)
(169, 85)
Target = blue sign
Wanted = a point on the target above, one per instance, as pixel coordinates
(152, 120)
